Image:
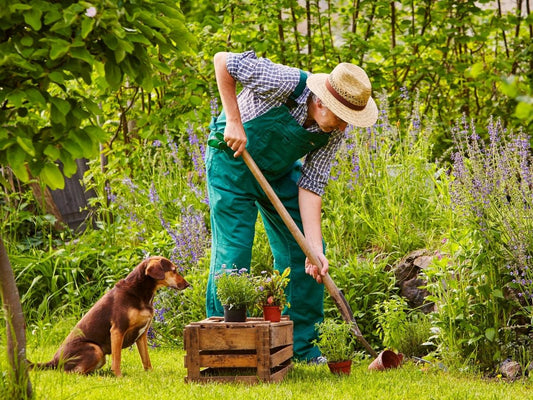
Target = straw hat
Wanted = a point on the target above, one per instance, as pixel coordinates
(347, 93)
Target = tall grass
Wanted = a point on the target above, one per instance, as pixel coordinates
(383, 197)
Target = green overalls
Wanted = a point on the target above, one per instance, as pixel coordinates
(276, 142)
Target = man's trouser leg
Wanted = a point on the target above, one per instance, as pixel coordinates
(233, 217)
(305, 295)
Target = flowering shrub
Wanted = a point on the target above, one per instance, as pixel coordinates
(236, 288)
(271, 288)
(486, 263)
(493, 190)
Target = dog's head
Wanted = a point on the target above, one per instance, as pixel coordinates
(165, 273)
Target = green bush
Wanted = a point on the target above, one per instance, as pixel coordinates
(364, 284)
(404, 330)
(335, 341)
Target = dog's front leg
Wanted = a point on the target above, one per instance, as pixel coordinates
(142, 346)
(117, 339)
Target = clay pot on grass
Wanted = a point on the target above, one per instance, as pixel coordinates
(340, 367)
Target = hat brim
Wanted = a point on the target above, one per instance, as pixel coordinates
(360, 118)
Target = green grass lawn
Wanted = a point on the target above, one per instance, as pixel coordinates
(166, 381)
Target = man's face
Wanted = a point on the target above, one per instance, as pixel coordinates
(327, 121)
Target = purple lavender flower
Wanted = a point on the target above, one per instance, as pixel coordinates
(173, 149)
(110, 195)
(190, 240)
(214, 106)
(152, 195)
(129, 184)
(193, 151)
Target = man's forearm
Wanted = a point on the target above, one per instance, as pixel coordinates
(226, 88)
(311, 212)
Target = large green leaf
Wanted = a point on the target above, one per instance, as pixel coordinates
(82, 53)
(26, 40)
(73, 148)
(92, 107)
(52, 152)
(52, 176)
(110, 41)
(490, 334)
(26, 145)
(120, 53)
(14, 7)
(62, 105)
(16, 158)
(113, 74)
(33, 18)
(87, 25)
(53, 13)
(36, 97)
(58, 48)
(69, 164)
(97, 134)
(57, 116)
(89, 148)
(57, 77)
(17, 97)
(152, 21)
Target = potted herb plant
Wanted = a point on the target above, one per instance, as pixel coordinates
(271, 293)
(336, 344)
(237, 292)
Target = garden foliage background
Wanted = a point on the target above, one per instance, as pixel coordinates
(130, 88)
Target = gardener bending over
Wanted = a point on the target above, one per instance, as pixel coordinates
(281, 115)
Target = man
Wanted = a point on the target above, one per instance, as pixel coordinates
(280, 115)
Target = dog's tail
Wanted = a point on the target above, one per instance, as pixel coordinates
(52, 364)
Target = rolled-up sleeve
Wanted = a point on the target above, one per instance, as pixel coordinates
(261, 76)
(241, 65)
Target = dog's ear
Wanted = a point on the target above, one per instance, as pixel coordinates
(154, 269)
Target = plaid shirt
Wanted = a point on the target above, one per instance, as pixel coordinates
(267, 85)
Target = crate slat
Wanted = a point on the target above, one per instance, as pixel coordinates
(228, 360)
(280, 356)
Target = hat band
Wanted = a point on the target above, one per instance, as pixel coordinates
(342, 99)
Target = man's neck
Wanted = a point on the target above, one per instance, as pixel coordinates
(311, 109)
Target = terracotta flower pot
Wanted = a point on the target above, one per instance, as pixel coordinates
(234, 314)
(340, 367)
(385, 360)
(272, 313)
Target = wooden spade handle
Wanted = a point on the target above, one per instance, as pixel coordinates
(338, 297)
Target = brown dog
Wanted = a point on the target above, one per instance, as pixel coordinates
(119, 319)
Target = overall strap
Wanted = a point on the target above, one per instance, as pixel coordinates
(291, 101)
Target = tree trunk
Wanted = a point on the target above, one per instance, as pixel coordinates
(16, 330)
(295, 31)
(281, 35)
(309, 36)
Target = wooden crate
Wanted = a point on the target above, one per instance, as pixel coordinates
(251, 352)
